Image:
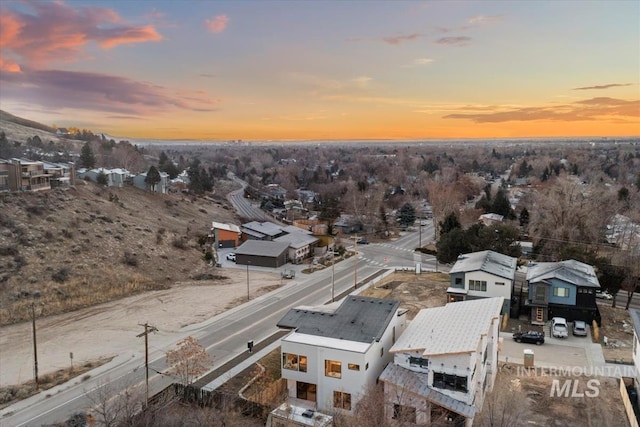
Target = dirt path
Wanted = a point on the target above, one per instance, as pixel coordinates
(110, 329)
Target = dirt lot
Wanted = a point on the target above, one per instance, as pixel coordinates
(110, 329)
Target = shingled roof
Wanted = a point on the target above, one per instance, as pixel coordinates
(360, 319)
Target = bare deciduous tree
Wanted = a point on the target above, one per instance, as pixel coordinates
(188, 361)
(505, 406)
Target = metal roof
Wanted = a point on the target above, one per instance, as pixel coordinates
(262, 248)
(266, 228)
(297, 240)
(225, 226)
(570, 271)
(418, 383)
(452, 329)
(361, 319)
(488, 261)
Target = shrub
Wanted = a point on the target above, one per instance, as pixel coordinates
(36, 209)
(67, 234)
(8, 251)
(130, 259)
(179, 242)
(20, 261)
(208, 256)
(61, 275)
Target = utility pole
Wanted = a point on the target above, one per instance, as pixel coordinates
(355, 263)
(147, 330)
(333, 274)
(248, 297)
(35, 345)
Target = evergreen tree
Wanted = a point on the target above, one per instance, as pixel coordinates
(407, 215)
(501, 205)
(153, 178)
(87, 158)
(524, 217)
(449, 223)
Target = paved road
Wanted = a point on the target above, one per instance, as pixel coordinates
(224, 336)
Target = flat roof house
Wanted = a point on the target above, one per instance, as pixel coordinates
(262, 253)
(335, 351)
(443, 364)
(225, 235)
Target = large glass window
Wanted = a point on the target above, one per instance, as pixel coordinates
(450, 382)
(342, 400)
(294, 362)
(333, 368)
(478, 285)
(418, 362)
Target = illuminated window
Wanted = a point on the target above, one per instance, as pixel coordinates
(353, 367)
(294, 362)
(333, 368)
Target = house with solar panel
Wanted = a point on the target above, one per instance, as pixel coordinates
(484, 274)
(444, 363)
(335, 351)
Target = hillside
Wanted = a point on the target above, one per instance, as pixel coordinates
(18, 129)
(90, 244)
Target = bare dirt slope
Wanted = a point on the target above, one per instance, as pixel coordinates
(90, 244)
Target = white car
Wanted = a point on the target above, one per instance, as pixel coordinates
(559, 327)
(604, 295)
(231, 257)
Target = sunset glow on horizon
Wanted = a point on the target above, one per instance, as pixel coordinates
(309, 70)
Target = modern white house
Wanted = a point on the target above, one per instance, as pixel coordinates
(444, 364)
(484, 274)
(335, 351)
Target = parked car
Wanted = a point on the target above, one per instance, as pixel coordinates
(532, 337)
(579, 328)
(363, 241)
(559, 327)
(604, 295)
(231, 257)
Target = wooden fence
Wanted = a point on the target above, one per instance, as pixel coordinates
(628, 406)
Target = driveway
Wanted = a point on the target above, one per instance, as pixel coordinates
(555, 352)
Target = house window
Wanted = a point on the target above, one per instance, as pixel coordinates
(561, 292)
(381, 351)
(294, 362)
(353, 367)
(478, 285)
(499, 283)
(333, 368)
(366, 367)
(418, 362)
(404, 413)
(457, 283)
(450, 382)
(342, 400)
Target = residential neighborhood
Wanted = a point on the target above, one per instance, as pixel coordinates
(516, 292)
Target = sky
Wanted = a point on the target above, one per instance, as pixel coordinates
(321, 69)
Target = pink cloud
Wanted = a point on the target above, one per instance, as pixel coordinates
(585, 110)
(396, 40)
(57, 89)
(9, 66)
(453, 41)
(217, 24)
(55, 31)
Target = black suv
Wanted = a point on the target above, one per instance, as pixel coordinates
(532, 337)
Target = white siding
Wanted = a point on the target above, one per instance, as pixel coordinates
(493, 290)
